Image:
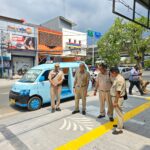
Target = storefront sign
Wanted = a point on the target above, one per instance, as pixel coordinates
(27, 30)
(73, 45)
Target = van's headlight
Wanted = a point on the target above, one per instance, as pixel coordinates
(24, 92)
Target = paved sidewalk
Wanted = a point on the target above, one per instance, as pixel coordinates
(42, 130)
(7, 82)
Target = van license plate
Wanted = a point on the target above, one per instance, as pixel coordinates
(12, 101)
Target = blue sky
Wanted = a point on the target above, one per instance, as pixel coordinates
(87, 14)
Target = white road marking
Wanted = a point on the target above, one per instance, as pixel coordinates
(83, 119)
(89, 128)
(69, 126)
(64, 125)
(74, 126)
(137, 122)
(81, 128)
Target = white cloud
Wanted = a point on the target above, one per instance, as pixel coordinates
(94, 14)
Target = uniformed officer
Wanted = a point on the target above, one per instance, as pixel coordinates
(117, 92)
(56, 78)
(103, 85)
(80, 88)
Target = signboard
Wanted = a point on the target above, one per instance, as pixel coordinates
(21, 42)
(73, 45)
(74, 49)
(20, 29)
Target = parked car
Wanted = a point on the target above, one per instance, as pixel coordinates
(33, 89)
(125, 71)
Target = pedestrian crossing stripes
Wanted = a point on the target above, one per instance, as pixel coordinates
(101, 130)
(77, 124)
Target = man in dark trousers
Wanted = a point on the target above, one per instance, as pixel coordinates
(134, 79)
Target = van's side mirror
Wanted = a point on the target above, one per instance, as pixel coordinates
(42, 78)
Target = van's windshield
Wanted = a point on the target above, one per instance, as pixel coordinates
(30, 75)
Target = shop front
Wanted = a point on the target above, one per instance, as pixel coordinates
(49, 44)
(5, 62)
(74, 45)
(20, 41)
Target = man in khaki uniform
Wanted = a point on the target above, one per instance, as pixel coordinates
(117, 92)
(103, 85)
(80, 88)
(56, 78)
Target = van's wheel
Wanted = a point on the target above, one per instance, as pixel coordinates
(34, 103)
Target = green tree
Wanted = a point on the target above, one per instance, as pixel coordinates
(109, 44)
(123, 36)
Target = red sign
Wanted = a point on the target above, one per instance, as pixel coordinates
(21, 42)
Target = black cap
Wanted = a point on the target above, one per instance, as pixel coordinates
(114, 69)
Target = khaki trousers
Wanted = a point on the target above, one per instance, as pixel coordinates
(105, 97)
(80, 93)
(119, 113)
(55, 93)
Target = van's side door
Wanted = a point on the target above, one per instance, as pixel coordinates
(44, 88)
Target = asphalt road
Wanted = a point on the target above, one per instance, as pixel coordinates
(43, 130)
(6, 109)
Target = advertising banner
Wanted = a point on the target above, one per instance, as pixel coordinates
(21, 42)
(74, 49)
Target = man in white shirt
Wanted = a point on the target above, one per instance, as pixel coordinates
(134, 80)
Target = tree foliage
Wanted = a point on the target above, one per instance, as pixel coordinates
(123, 36)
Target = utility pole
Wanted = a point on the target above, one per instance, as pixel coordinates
(93, 52)
(2, 62)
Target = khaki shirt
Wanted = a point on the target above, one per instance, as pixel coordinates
(104, 81)
(118, 85)
(59, 77)
(82, 79)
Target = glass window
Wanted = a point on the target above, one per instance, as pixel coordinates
(45, 74)
(80, 42)
(74, 71)
(123, 70)
(31, 75)
(66, 73)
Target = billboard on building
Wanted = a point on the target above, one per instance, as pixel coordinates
(21, 42)
(17, 36)
(13, 41)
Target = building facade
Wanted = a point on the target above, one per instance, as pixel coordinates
(74, 43)
(58, 24)
(49, 44)
(18, 46)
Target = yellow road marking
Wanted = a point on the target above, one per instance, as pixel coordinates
(101, 130)
(147, 98)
